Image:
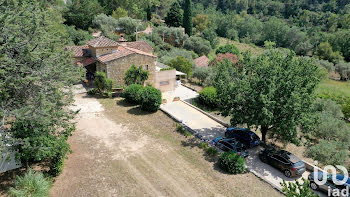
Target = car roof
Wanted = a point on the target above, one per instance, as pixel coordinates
(285, 154)
(341, 177)
(241, 129)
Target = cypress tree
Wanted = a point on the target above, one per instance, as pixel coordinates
(174, 15)
(149, 13)
(187, 23)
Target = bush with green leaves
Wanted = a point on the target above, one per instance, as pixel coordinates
(201, 73)
(131, 93)
(228, 48)
(103, 84)
(182, 65)
(209, 97)
(211, 36)
(32, 184)
(166, 56)
(172, 35)
(135, 75)
(298, 189)
(56, 166)
(130, 25)
(329, 152)
(211, 151)
(198, 45)
(106, 24)
(78, 36)
(150, 98)
(232, 163)
(344, 70)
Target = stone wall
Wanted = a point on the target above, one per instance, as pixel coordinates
(116, 69)
(95, 52)
(165, 80)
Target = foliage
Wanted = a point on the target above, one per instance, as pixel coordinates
(106, 24)
(182, 65)
(129, 25)
(181, 129)
(209, 97)
(344, 70)
(298, 189)
(33, 72)
(227, 56)
(119, 13)
(92, 91)
(150, 98)
(228, 48)
(166, 56)
(80, 13)
(325, 51)
(339, 97)
(201, 22)
(269, 45)
(135, 75)
(174, 16)
(102, 83)
(203, 145)
(32, 184)
(232, 163)
(274, 91)
(210, 35)
(329, 153)
(198, 45)
(187, 17)
(149, 13)
(201, 73)
(56, 166)
(132, 93)
(172, 35)
(211, 151)
(78, 36)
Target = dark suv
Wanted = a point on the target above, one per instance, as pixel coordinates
(247, 137)
(231, 145)
(283, 160)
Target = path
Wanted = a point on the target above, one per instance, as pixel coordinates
(210, 129)
(119, 150)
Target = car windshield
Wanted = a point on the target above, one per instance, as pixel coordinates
(254, 137)
(298, 164)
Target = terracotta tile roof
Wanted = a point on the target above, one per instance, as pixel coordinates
(102, 42)
(121, 52)
(79, 51)
(86, 62)
(202, 61)
(140, 45)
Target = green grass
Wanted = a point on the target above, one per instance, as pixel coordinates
(241, 46)
(336, 87)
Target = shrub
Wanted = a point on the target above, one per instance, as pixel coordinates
(131, 93)
(208, 97)
(201, 73)
(228, 48)
(298, 189)
(232, 163)
(32, 184)
(56, 166)
(328, 153)
(182, 130)
(102, 83)
(198, 45)
(211, 151)
(135, 75)
(203, 145)
(182, 65)
(92, 91)
(150, 98)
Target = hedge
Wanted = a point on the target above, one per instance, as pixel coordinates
(131, 93)
(150, 98)
(232, 163)
(209, 97)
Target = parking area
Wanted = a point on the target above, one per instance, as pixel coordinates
(209, 129)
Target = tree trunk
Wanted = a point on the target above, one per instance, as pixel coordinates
(264, 130)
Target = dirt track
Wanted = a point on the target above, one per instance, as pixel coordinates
(119, 150)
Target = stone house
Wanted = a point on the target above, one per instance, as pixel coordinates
(115, 58)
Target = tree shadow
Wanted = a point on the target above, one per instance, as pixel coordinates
(124, 103)
(139, 112)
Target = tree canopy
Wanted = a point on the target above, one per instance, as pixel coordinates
(174, 16)
(273, 91)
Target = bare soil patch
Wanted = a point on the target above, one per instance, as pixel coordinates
(118, 150)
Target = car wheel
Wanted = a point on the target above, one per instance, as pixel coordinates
(263, 159)
(313, 186)
(287, 173)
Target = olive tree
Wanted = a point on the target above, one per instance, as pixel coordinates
(273, 91)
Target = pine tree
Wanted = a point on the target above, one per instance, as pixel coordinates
(149, 13)
(187, 23)
(174, 15)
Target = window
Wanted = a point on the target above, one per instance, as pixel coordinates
(146, 67)
(163, 83)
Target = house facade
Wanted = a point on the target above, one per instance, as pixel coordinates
(115, 58)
